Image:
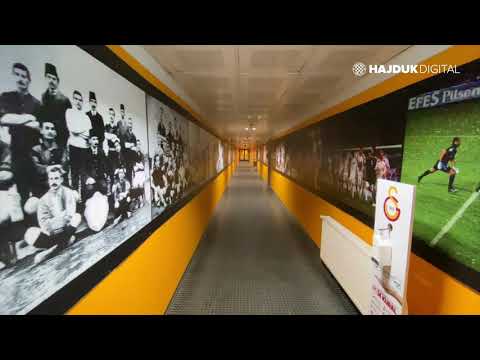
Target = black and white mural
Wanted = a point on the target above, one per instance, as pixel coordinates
(77, 178)
(182, 155)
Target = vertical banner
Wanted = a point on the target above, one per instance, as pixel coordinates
(394, 211)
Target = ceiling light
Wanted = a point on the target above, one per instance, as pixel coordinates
(247, 128)
(254, 129)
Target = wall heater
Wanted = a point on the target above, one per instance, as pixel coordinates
(349, 260)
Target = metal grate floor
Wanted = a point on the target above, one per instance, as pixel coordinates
(255, 259)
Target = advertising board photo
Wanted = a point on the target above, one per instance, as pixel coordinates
(426, 135)
(442, 148)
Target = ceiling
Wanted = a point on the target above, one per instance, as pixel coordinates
(271, 88)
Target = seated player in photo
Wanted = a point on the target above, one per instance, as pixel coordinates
(44, 154)
(447, 158)
(96, 185)
(121, 196)
(11, 213)
(57, 215)
(138, 183)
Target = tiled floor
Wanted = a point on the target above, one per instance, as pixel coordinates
(255, 259)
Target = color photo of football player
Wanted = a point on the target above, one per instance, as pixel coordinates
(447, 158)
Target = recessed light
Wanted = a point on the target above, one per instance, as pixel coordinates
(254, 129)
(246, 128)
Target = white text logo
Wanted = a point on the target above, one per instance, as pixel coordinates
(360, 69)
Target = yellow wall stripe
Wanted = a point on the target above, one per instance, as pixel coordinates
(430, 290)
(145, 282)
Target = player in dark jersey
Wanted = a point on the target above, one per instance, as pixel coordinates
(447, 157)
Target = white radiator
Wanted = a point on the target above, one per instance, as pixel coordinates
(348, 259)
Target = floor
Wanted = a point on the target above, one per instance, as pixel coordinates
(255, 259)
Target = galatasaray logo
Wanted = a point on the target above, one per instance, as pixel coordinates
(390, 206)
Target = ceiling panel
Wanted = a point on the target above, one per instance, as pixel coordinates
(235, 85)
(272, 59)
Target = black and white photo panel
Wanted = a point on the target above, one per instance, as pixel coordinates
(170, 178)
(183, 156)
(74, 169)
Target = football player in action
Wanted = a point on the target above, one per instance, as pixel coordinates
(447, 158)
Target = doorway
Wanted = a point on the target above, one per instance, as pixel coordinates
(244, 155)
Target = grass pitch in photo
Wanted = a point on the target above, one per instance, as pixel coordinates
(448, 222)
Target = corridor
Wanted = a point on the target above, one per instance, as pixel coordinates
(255, 259)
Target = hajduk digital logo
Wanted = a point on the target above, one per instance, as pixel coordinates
(390, 205)
(360, 69)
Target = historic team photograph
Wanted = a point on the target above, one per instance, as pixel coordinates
(169, 158)
(182, 155)
(74, 170)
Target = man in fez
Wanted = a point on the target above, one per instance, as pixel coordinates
(122, 123)
(97, 167)
(97, 120)
(54, 105)
(129, 143)
(96, 185)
